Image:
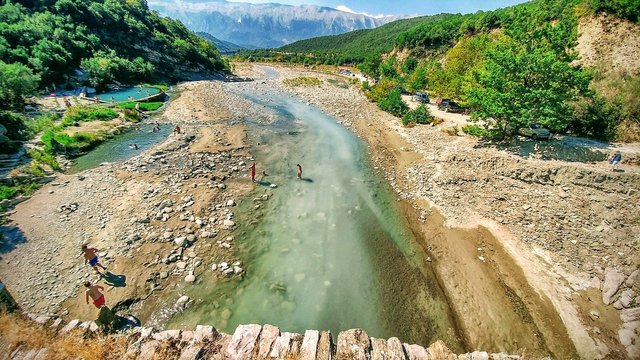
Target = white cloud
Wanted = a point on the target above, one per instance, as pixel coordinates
(347, 9)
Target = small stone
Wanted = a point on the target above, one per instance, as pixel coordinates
(228, 223)
(594, 315)
(182, 301)
(612, 281)
(190, 278)
(273, 186)
(181, 265)
(163, 275)
(230, 202)
(180, 241)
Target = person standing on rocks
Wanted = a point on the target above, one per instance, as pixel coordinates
(615, 160)
(299, 171)
(94, 292)
(91, 257)
(253, 172)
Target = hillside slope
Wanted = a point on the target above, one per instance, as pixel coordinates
(225, 47)
(120, 40)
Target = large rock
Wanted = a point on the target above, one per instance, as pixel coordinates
(325, 346)
(415, 352)
(612, 281)
(167, 335)
(243, 342)
(629, 315)
(204, 333)
(379, 349)
(148, 350)
(394, 348)
(632, 279)
(281, 346)
(309, 345)
(191, 352)
(353, 344)
(267, 337)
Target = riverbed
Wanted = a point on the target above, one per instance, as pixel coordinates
(329, 251)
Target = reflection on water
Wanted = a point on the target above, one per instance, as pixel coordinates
(120, 147)
(326, 252)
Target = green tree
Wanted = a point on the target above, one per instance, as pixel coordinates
(419, 115)
(520, 85)
(16, 82)
(393, 104)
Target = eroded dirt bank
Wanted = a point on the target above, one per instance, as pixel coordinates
(527, 244)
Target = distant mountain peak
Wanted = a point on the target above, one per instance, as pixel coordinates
(265, 24)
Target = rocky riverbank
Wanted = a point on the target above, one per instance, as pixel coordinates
(160, 219)
(563, 240)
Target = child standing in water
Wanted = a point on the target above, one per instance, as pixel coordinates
(253, 172)
(299, 171)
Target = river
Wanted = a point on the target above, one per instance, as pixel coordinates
(330, 251)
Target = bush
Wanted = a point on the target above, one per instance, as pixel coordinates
(303, 81)
(132, 115)
(7, 192)
(477, 131)
(419, 115)
(40, 124)
(44, 158)
(393, 104)
(149, 106)
(87, 113)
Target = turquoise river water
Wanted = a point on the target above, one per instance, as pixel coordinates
(328, 252)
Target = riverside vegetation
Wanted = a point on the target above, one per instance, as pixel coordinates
(487, 60)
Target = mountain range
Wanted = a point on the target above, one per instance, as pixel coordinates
(264, 25)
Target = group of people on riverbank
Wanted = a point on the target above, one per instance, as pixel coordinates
(94, 291)
(252, 169)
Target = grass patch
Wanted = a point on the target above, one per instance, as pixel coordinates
(9, 192)
(161, 86)
(303, 81)
(41, 123)
(44, 158)
(87, 113)
(144, 106)
(477, 131)
(58, 142)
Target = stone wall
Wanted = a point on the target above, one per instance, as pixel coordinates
(255, 342)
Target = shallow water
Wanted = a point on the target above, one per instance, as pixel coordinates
(124, 94)
(328, 252)
(118, 148)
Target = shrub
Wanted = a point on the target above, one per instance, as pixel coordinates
(132, 115)
(7, 192)
(87, 113)
(393, 104)
(40, 124)
(475, 130)
(149, 106)
(44, 158)
(419, 115)
(303, 81)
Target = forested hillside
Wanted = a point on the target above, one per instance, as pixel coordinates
(110, 39)
(510, 66)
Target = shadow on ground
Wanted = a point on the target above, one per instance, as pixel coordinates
(10, 237)
(114, 280)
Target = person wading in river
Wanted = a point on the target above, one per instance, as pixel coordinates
(253, 172)
(93, 292)
(299, 171)
(91, 257)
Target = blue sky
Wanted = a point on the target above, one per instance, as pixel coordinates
(402, 7)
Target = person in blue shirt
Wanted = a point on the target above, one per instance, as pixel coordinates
(615, 160)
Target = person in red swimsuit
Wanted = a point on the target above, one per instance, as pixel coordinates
(253, 172)
(94, 292)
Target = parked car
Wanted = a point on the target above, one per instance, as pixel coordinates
(421, 97)
(448, 105)
(535, 132)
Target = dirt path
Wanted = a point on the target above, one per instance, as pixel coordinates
(539, 233)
